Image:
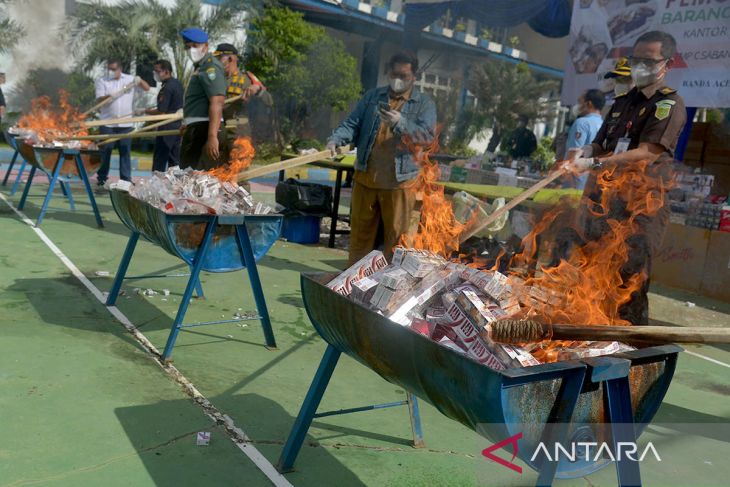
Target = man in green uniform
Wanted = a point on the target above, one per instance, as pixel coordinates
(204, 145)
(242, 84)
(642, 125)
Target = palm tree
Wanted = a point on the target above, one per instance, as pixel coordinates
(10, 31)
(503, 92)
(138, 30)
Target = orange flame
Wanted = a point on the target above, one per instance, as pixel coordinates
(438, 229)
(50, 123)
(590, 285)
(240, 159)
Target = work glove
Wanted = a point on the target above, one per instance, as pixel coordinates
(332, 148)
(581, 164)
(391, 117)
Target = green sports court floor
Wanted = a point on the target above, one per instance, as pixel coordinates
(82, 403)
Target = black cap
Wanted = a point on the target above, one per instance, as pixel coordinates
(224, 49)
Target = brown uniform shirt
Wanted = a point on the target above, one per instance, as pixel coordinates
(655, 114)
(380, 173)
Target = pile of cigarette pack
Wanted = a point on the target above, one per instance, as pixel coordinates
(453, 304)
(184, 191)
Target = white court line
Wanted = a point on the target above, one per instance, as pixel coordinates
(237, 435)
(699, 355)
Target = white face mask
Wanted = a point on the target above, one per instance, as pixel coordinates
(111, 73)
(158, 79)
(621, 88)
(196, 54)
(575, 110)
(398, 85)
(643, 75)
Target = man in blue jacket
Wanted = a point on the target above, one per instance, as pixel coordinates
(384, 168)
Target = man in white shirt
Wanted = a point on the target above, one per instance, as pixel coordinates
(121, 87)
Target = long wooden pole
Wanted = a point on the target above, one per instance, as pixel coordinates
(259, 171)
(629, 334)
(144, 118)
(146, 128)
(178, 116)
(513, 202)
(125, 136)
(108, 100)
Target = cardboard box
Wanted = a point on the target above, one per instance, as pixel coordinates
(680, 260)
(716, 276)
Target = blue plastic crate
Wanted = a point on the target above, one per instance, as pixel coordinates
(303, 229)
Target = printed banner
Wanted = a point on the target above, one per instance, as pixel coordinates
(603, 30)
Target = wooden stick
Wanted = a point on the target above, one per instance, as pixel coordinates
(514, 202)
(288, 163)
(518, 331)
(144, 118)
(107, 101)
(130, 135)
(146, 128)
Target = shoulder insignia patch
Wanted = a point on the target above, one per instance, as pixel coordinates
(641, 112)
(667, 91)
(615, 114)
(211, 73)
(663, 107)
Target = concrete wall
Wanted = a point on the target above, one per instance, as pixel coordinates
(540, 49)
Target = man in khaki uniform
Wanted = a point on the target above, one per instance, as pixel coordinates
(242, 84)
(384, 168)
(642, 125)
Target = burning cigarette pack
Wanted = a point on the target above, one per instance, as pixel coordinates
(592, 349)
(468, 334)
(363, 290)
(498, 286)
(420, 263)
(396, 277)
(479, 315)
(364, 267)
(419, 296)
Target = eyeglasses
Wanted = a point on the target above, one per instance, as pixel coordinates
(633, 61)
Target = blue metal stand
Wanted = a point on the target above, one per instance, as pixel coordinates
(613, 374)
(311, 402)
(66, 189)
(193, 283)
(10, 167)
(16, 183)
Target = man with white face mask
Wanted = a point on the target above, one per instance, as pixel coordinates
(204, 145)
(385, 168)
(121, 87)
(643, 125)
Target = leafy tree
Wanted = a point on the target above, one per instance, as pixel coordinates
(48, 82)
(10, 31)
(303, 68)
(139, 30)
(503, 92)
